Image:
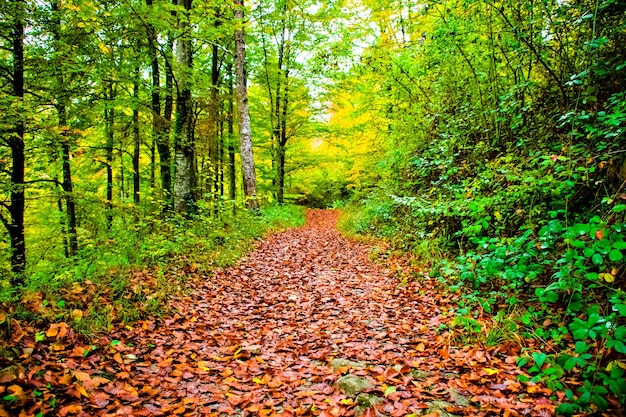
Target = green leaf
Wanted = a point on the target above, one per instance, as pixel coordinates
(61, 304)
(581, 347)
(616, 255)
(570, 363)
(599, 401)
(597, 259)
(389, 390)
(567, 409)
(539, 358)
(585, 398)
(619, 208)
(115, 342)
(619, 245)
(619, 346)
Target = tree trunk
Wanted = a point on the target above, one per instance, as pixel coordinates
(62, 97)
(110, 125)
(215, 116)
(232, 185)
(136, 139)
(247, 156)
(183, 131)
(15, 225)
(160, 123)
(282, 143)
(280, 174)
(68, 185)
(165, 153)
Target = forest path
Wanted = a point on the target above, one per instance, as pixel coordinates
(300, 327)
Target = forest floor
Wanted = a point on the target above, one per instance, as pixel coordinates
(305, 325)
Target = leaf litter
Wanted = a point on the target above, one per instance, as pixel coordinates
(281, 334)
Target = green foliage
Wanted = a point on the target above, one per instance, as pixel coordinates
(130, 275)
(503, 170)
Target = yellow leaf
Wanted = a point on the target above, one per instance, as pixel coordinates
(105, 49)
(607, 277)
(258, 381)
(82, 391)
(498, 215)
(202, 365)
(77, 314)
(491, 371)
(613, 364)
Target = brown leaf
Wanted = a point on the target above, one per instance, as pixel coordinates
(70, 409)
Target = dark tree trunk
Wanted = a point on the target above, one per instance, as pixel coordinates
(215, 110)
(280, 174)
(110, 136)
(68, 185)
(62, 97)
(232, 175)
(160, 124)
(136, 140)
(15, 224)
(282, 145)
(221, 158)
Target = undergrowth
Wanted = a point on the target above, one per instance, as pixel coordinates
(535, 260)
(132, 274)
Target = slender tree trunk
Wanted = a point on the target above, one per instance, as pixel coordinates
(15, 224)
(165, 153)
(61, 107)
(68, 185)
(110, 136)
(247, 156)
(183, 129)
(232, 185)
(66, 249)
(221, 158)
(215, 110)
(160, 123)
(136, 139)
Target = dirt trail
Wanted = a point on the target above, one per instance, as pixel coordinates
(278, 334)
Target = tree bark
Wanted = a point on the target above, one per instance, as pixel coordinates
(15, 225)
(136, 139)
(184, 146)
(68, 185)
(216, 115)
(110, 136)
(232, 185)
(160, 123)
(247, 156)
(63, 98)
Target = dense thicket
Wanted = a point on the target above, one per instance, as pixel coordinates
(499, 137)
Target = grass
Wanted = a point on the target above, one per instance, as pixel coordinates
(130, 274)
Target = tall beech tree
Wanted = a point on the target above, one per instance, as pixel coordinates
(184, 139)
(245, 134)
